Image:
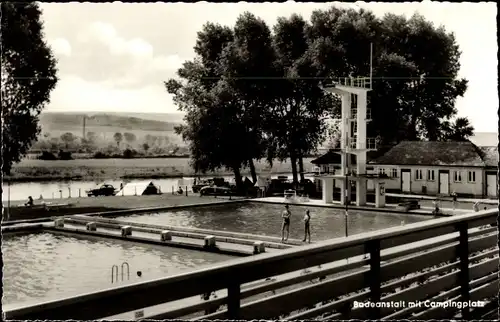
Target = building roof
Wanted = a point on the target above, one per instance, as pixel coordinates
(433, 153)
(490, 155)
(330, 157)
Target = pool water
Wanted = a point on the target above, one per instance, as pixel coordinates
(265, 219)
(44, 266)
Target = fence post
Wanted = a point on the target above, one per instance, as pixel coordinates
(172, 190)
(463, 229)
(79, 192)
(60, 193)
(373, 248)
(186, 191)
(233, 299)
(69, 192)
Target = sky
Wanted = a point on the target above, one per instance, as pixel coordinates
(115, 57)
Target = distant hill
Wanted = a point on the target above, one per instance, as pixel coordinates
(132, 121)
(485, 139)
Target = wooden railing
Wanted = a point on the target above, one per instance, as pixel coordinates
(453, 258)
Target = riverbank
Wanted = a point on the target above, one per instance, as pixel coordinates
(107, 169)
(73, 206)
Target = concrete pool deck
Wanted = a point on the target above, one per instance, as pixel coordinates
(115, 205)
(390, 208)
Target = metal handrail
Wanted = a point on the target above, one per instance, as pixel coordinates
(113, 273)
(128, 270)
(115, 280)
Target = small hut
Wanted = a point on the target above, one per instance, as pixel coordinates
(142, 188)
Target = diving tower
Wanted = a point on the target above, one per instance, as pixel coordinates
(354, 141)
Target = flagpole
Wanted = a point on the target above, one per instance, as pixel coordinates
(371, 64)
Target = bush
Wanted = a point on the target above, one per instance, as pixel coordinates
(65, 155)
(47, 156)
(100, 155)
(129, 154)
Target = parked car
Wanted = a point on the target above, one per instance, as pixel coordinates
(104, 190)
(215, 191)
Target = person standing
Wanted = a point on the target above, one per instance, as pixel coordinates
(307, 226)
(286, 224)
(454, 198)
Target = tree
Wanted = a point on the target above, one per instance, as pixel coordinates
(68, 138)
(145, 147)
(415, 68)
(211, 127)
(460, 130)
(297, 120)
(248, 67)
(26, 82)
(129, 137)
(118, 137)
(91, 137)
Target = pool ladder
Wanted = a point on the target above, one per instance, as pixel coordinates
(114, 269)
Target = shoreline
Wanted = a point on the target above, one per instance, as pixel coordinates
(151, 175)
(123, 169)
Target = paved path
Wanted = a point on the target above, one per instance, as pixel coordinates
(460, 200)
(392, 208)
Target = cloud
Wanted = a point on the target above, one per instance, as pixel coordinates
(101, 54)
(60, 47)
(76, 94)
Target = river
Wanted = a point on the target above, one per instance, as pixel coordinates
(63, 189)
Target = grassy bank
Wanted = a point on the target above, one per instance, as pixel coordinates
(146, 168)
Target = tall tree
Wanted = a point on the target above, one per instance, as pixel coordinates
(28, 75)
(415, 68)
(459, 130)
(247, 67)
(301, 105)
(211, 126)
(68, 138)
(129, 137)
(118, 137)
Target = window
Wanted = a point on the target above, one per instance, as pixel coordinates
(381, 171)
(430, 175)
(419, 174)
(394, 173)
(457, 176)
(471, 176)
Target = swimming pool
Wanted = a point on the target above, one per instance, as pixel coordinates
(265, 219)
(42, 266)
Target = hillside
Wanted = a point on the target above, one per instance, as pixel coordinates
(60, 122)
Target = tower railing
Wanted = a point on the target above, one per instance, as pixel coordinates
(354, 113)
(371, 143)
(360, 81)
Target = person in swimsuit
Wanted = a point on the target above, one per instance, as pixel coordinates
(307, 226)
(454, 198)
(286, 224)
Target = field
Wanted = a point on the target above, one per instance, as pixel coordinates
(37, 170)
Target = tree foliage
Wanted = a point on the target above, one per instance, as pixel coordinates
(118, 137)
(251, 93)
(129, 137)
(28, 75)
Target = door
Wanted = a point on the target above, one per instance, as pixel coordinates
(444, 183)
(405, 181)
(491, 185)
